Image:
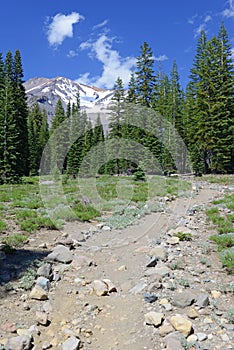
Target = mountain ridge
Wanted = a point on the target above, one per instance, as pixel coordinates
(47, 91)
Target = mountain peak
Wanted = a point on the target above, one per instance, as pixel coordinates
(46, 92)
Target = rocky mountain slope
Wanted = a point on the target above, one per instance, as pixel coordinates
(46, 93)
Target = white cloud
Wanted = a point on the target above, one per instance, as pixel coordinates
(72, 53)
(202, 26)
(61, 27)
(114, 65)
(161, 58)
(100, 25)
(229, 12)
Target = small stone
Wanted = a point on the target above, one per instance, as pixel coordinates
(44, 270)
(22, 342)
(173, 341)
(61, 254)
(181, 324)
(80, 261)
(38, 293)
(43, 282)
(159, 253)
(153, 318)
(162, 271)
(183, 299)
(106, 228)
(173, 240)
(122, 268)
(201, 336)
(150, 298)
(138, 288)
(110, 285)
(216, 294)
(42, 318)
(192, 313)
(225, 337)
(100, 288)
(153, 262)
(165, 329)
(202, 300)
(71, 343)
(9, 327)
(192, 338)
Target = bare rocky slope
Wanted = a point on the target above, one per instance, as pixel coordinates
(131, 289)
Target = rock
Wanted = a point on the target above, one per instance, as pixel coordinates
(38, 293)
(153, 318)
(216, 294)
(173, 341)
(61, 254)
(9, 327)
(192, 338)
(181, 324)
(192, 313)
(100, 288)
(201, 336)
(44, 283)
(173, 240)
(160, 271)
(106, 228)
(23, 331)
(138, 288)
(81, 261)
(159, 253)
(150, 298)
(110, 285)
(23, 342)
(183, 299)
(44, 271)
(153, 262)
(71, 343)
(42, 318)
(202, 300)
(165, 329)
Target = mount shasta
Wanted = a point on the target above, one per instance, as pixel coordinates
(46, 92)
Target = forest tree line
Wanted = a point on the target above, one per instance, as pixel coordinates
(201, 115)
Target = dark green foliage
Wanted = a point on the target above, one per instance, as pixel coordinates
(38, 135)
(13, 120)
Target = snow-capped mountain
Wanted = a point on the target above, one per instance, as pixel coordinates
(46, 93)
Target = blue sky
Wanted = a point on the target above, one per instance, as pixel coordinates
(94, 41)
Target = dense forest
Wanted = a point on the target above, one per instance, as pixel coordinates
(171, 123)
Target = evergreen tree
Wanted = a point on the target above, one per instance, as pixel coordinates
(38, 135)
(9, 170)
(212, 114)
(145, 76)
(115, 127)
(21, 115)
(59, 138)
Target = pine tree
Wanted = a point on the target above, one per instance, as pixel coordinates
(212, 88)
(145, 76)
(21, 115)
(9, 171)
(78, 127)
(38, 135)
(59, 138)
(115, 127)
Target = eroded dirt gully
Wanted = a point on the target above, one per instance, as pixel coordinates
(116, 321)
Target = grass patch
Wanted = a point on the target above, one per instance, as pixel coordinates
(15, 241)
(3, 226)
(223, 221)
(184, 236)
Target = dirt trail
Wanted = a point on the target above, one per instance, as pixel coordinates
(121, 256)
(115, 321)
